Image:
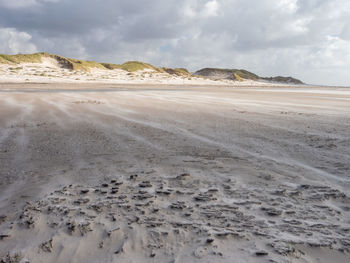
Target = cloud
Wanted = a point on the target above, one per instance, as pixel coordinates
(289, 6)
(303, 38)
(14, 4)
(17, 3)
(13, 41)
(200, 9)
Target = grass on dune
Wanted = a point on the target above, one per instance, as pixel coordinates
(84, 65)
(237, 77)
(245, 74)
(182, 70)
(20, 58)
(240, 73)
(79, 65)
(177, 71)
(74, 64)
(133, 66)
(111, 66)
(3, 60)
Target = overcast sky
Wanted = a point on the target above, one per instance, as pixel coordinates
(307, 39)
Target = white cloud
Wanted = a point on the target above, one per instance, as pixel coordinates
(289, 6)
(200, 9)
(13, 42)
(17, 3)
(23, 3)
(334, 53)
(211, 8)
(188, 10)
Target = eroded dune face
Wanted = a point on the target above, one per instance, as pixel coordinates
(135, 174)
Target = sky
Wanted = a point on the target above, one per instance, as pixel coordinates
(306, 39)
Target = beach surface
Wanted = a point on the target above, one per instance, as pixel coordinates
(172, 173)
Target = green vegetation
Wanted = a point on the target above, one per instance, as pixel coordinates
(245, 74)
(177, 71)
(15, 68)
(133, 66)
(84, 65)
(111, 66)
(81, 65)
(182, 71)
(241, 74)
(73, 64)
(284, 80)
(227, 73)
(20, 58)
(3, 60)
(237, 77)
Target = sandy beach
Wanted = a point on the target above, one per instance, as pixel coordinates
(173, 173)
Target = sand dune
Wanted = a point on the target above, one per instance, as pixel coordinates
(49, 71)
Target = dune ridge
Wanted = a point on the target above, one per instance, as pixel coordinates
(45, 67)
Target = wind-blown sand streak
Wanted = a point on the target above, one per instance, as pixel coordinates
(106, 173)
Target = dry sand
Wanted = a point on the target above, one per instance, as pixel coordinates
(108, 173)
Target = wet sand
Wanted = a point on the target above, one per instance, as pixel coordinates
(109, 173)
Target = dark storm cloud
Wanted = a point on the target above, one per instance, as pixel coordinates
(308, 39)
